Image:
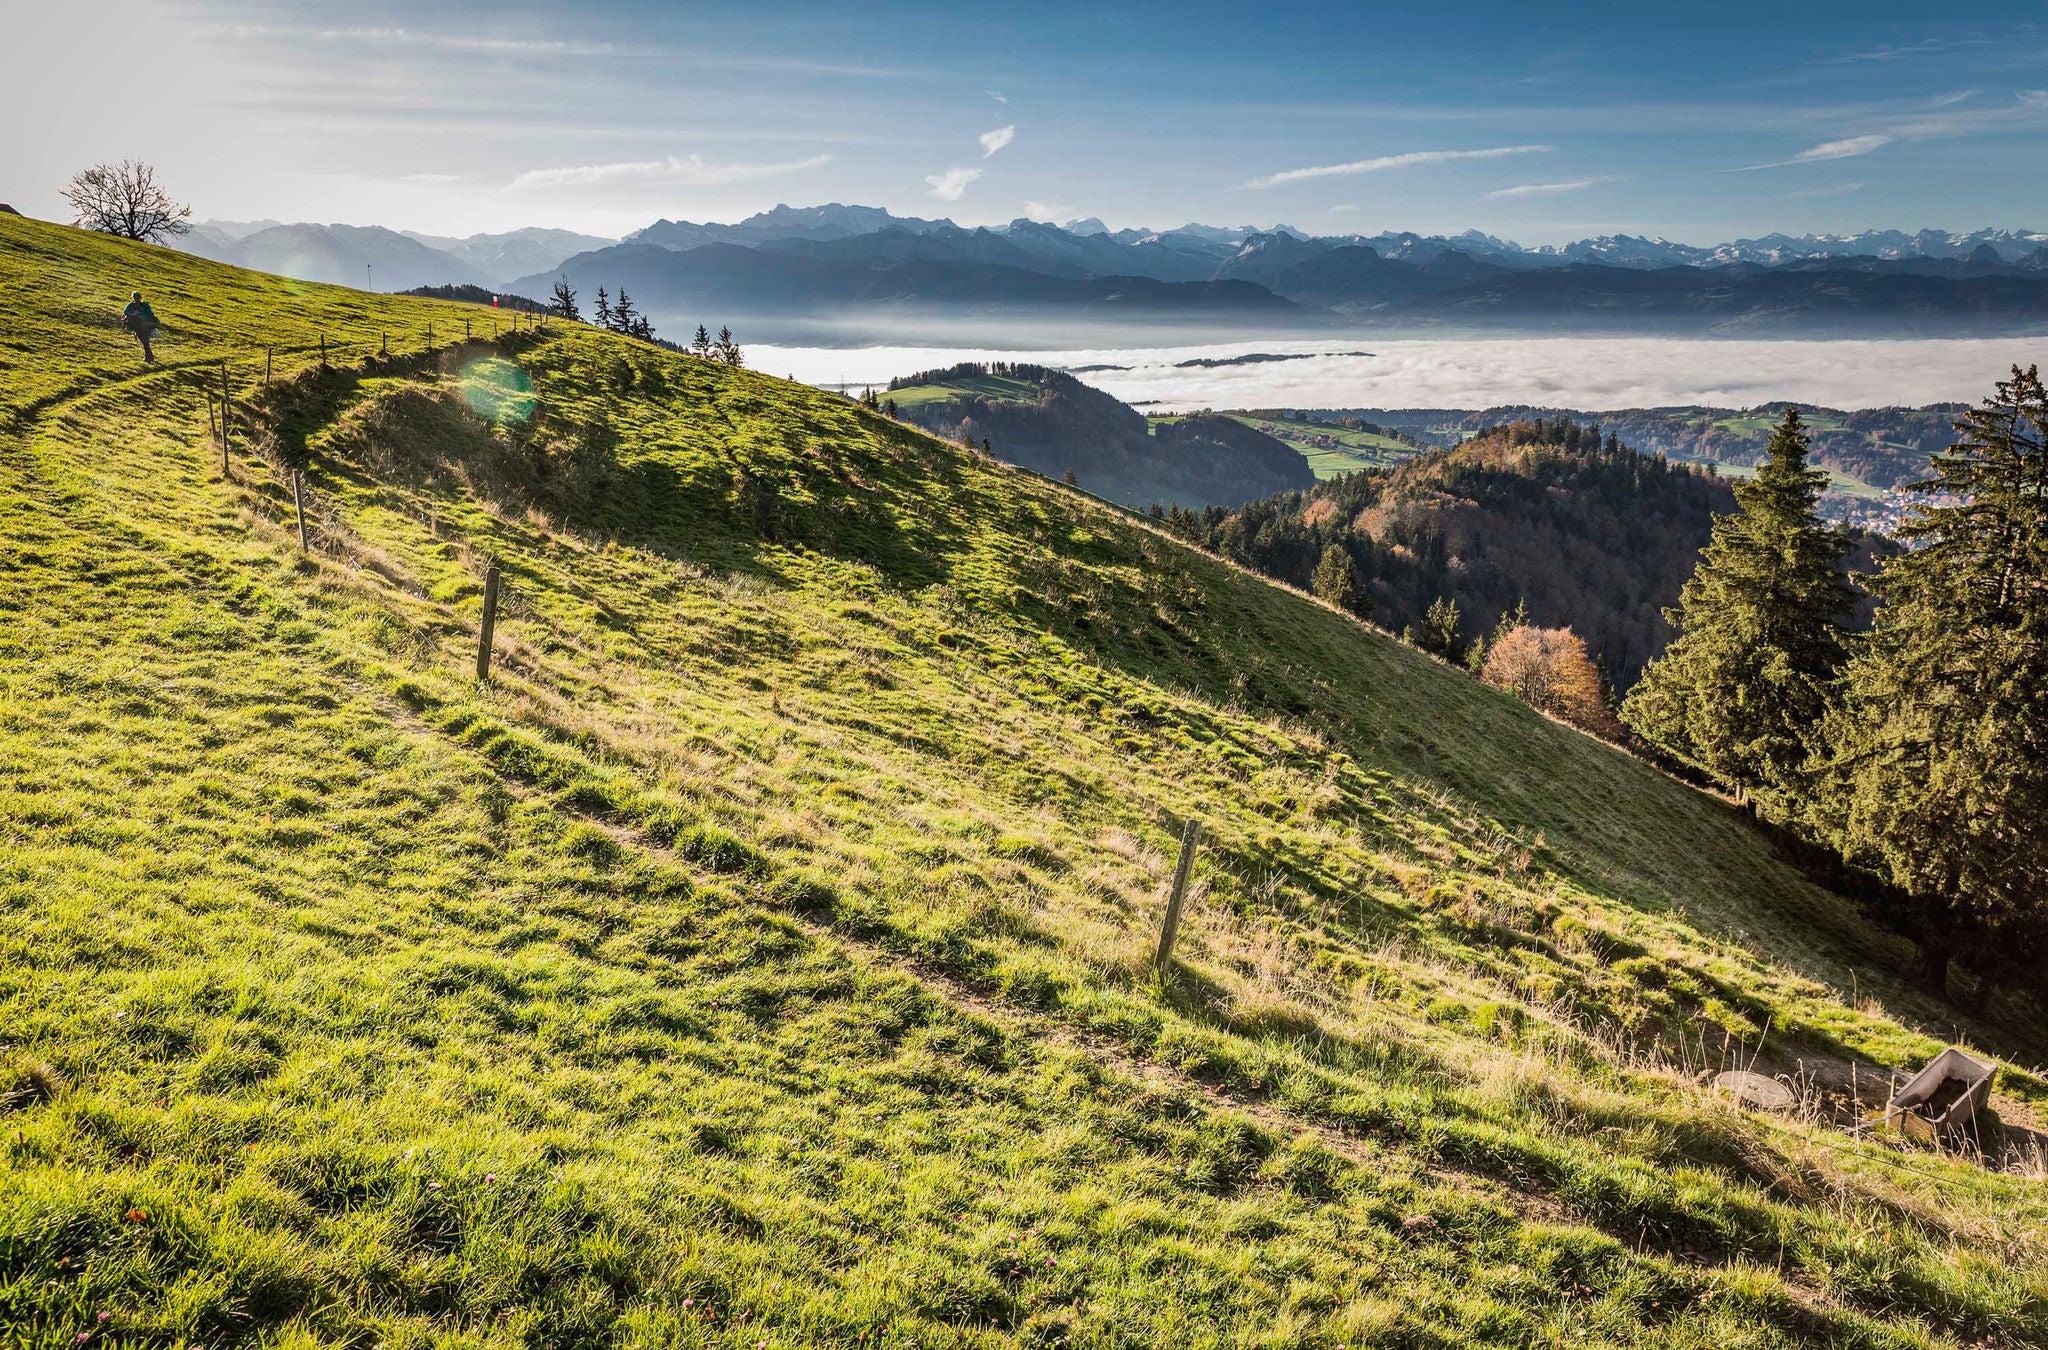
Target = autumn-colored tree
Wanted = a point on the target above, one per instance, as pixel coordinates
(1548, 669)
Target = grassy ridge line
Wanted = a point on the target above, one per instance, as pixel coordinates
(842, 627)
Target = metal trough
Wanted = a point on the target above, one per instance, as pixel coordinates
(1943, 1099)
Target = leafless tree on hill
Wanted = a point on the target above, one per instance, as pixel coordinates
(125, 199)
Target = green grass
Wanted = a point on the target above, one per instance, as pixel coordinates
(996, 388)
(760, 956)
(1349, 450)
(1847, 484)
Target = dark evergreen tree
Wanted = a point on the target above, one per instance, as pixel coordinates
(700, 345)
(624, 316)
(564, 304)
(604, 309)
(1441, 629)
(1761, 636)
(727, 350)
(1333, 580)
(1937, 768)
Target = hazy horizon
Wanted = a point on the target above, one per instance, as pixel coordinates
(1529, 125)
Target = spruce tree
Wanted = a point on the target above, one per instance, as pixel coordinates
(1441, 629)
(700, 345)
(1332, 580)
(604, 309)
(1938, 759)
(624, 315)
(1745, 684)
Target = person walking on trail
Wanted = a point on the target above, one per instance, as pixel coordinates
(139, 319)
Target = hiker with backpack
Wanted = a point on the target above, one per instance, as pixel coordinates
(139, 319)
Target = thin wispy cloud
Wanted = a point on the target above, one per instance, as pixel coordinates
(1385, 162)
(1344, 210)
(1849, 147)
(1545, 189)
(997, 95)
(1045, 212)
(686, 171)
(1924, 47)
(950, 185)
(466, 42)
(1838, 190)
(992, 141)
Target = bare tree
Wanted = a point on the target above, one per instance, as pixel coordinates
(124, 199)
(564, 303)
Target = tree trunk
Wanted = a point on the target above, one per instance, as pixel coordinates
(1980, 997)
(1934, 959)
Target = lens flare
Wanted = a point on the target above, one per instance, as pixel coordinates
(497, 389)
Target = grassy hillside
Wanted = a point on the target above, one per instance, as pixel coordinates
(1330, 449)
(759, 958)
(1050, 422)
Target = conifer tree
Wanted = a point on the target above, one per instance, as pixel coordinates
(1742, 689)
(604, 309)
(1938, 759)
(624, 316)
(1441, 629)
(700, 345)
(1332, 581)
(564, 303)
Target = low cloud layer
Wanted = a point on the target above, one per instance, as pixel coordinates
(1590, 373)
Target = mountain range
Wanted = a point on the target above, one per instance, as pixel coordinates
(865, 269)
(396, 260)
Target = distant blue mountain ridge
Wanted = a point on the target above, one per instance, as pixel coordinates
(851, 260)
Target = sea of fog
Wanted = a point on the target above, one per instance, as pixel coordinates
(1561, 372)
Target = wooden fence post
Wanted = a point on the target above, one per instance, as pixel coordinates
(483, 632)
(299, 501)
(1169, 930)
(323, 349)
(267, 353)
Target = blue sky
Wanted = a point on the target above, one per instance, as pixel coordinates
(1541, 123)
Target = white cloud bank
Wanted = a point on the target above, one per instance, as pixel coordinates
(688, 171)
(1385, 162)
(1591, 373)
(952, 184)
(992, 141)
(1046, 212)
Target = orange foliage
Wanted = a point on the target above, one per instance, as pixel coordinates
(1548, 669)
